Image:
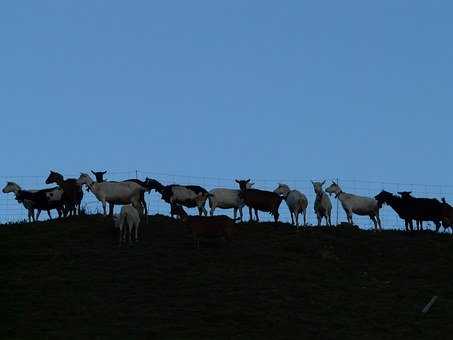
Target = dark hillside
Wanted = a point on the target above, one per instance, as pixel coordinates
(69, 278)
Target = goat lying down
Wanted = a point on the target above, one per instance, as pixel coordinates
(129, 219)
(206, 227)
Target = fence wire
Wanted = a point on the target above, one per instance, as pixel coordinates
(12, 211)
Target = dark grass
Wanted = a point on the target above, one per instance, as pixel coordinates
(69, 279)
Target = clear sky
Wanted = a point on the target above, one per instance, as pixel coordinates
(260, 89)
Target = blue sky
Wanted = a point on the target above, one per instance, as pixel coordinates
(260, 89)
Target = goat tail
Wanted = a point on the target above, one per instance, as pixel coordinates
(120, 220)
(303, 203)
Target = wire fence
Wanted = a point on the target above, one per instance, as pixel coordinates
(12, 211)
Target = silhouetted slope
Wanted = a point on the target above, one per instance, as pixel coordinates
(69, 278)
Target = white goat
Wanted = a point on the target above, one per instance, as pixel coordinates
(359, 205)
(227, 199)
(296, 201)
(129, 218)
(323, 206)
(114, 192)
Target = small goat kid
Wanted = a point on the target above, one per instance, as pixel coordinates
(323, 206)
(128, 220)
(296, 201)
(359, 205)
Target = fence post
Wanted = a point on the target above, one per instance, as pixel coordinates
(338, 182)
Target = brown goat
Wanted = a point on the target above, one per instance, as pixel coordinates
(206, 227)
(261, 200)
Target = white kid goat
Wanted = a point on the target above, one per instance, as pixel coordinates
(129, 219)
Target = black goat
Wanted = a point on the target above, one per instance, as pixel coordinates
(410, 208)
(425, 209)
(41, 200)
(261, 200)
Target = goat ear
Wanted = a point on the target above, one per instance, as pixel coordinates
(247, 181)
(93, 172)
(104, 172)
(237, 181)
(323, 182)
(252, 184)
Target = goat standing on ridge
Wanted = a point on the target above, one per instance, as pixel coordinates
(359, 205)
(323, 206)
(190, 196)
(226, 199)
(72, 192)
(405, 211)
(100, 179)
(261, 200)
(423, 209)
(114, 192)
(45, 199)
(296, 201)
(128, 220)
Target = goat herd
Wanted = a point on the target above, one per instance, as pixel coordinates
(67, 195)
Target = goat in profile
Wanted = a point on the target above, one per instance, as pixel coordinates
(261, 200)
(355, 204)
(100, 179)
(226, 199)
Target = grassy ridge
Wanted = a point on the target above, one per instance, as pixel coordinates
(69, 278)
